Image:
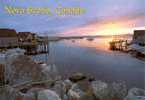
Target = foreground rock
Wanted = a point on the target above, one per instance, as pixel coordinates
(77, 77)
(7, 93)
(81, 91)
(48, 95)
(50, 72)
(25, 70)
(100, 90)
(117, 91)
(29, 80)
(21, 68)
(135, 94)
(10, 56)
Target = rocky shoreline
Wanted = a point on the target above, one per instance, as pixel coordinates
(26, 79)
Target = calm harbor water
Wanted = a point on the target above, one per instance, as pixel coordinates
(95, 58)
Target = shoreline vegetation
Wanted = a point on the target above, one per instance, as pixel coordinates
(26, 79)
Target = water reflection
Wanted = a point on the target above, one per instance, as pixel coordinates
(97, 43)
(92, 57)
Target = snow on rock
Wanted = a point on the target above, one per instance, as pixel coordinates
(10, 56)
(135, 94)
(68, 84)
(100, 90)
(48, 95)
(117, 91)
(23, 69)
(50, 71)
(80, 91)
(75, 93)
(59, 88)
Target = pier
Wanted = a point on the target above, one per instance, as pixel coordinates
(32, 48)
(119, 45)
(30, 42)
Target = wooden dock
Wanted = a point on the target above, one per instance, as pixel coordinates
(119, 45)
(34, 47)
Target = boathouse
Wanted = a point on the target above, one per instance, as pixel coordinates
(26, 36)
(8, 38)
(139, 37)
(138, 43)
(28, 41)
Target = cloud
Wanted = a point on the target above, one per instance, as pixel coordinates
(98, 11)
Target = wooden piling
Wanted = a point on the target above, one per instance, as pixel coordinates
(2, 75)
(118, 45)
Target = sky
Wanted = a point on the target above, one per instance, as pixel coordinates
(102, 17)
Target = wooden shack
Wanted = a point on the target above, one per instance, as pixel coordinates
(138, 44)
(8, 38)
(26, 36)
(139, 37)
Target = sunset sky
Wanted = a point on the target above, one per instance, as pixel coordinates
(102, 17)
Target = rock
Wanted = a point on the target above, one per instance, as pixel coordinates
(50, 72)
(48, 95)
(59, 88)
(10, 56)
(2, 58)
(24, 69)
(135, 94)
(80, 91)
(27, 96)
(75, 93)
(67, 85)
(91, 78)
(8, 93)
(117, 91)
(13, 53)
(65, 97)
(77, 77)
(100, 90)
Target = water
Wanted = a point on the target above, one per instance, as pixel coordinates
(94, 58)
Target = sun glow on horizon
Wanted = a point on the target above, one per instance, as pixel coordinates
(108, 28)
(112, 29)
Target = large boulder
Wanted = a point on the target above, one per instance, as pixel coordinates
(81, 91)
(100, 90)
(117, 91)
(21, 68)
(135, 94)
(24, 70)
(75, 93)
(9, 57)
(67, 85)
(27, 96)
(77, 77)
(50, 71)
(8, 93)
(48, 95)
